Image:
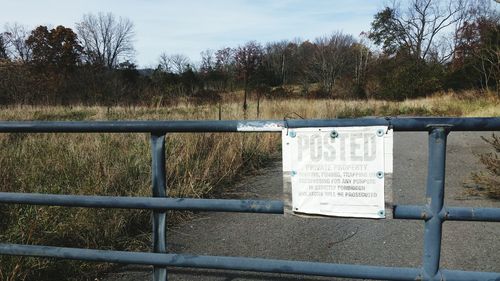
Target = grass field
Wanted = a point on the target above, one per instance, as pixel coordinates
(119, 164)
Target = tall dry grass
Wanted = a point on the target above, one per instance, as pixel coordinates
(119, 164)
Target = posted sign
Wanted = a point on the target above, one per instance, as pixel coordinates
(337, 171)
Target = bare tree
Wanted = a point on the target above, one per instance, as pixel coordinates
(180, 63)
(248, 59)
(332, 58)
(418, 26)
(487, 52)
(278, 55)
(224, 59)
(107, 41)
(207, 61)
(3, 47)
(362, 55)
(477, 44)
(164, 63)
(176, 63)
(487, 21)
(225, 65)
(15, 38)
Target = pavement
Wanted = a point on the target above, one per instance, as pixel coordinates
(471, 246)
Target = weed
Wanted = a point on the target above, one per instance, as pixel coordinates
(487, 182)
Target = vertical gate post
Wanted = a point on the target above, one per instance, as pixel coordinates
(435, 199)
(159, 190)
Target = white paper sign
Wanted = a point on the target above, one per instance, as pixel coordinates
(337, 171)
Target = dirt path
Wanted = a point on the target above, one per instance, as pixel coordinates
(466, 245)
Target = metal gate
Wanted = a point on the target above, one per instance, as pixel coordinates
(434, 213)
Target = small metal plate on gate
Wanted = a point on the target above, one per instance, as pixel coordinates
(343, 171)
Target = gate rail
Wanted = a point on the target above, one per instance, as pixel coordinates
(434, 213)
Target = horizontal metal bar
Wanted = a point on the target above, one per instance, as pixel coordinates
(408, 123)
(239, 263)
(215, 262)
(398, 123)
(412, 212)
(134, 126)
(471, 214)
(458, 275)
(214, 205)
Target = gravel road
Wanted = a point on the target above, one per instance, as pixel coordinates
(466, 245)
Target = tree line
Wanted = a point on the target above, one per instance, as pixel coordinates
(414, 48)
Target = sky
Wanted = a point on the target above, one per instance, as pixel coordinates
(188, 27)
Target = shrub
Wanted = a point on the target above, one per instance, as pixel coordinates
(487, 182)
